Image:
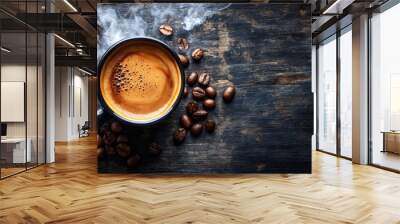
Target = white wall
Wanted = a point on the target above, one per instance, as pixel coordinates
(80, 110)
(61, 103)
(71, 102)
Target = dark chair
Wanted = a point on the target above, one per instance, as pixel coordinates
(84, 130)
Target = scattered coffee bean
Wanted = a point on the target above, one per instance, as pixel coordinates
(191, 107)
(184, 59)
(196, 129)
(122, 139)
(133, 161)
(183, 44)
(123, 149)
(209, 104)
(211, 92)
(99, 141)
(154, 149)
(197, 54)
(109, 138)
(198, 93)
(210, 126)
(166, 30)
(204, 79)
(110, 150)
(192, 78)
(104, 128)
(185, 92)
(116, 127)
(200, 115)
(185, 121)
(100, 152)
(229, 94)
(179, 136)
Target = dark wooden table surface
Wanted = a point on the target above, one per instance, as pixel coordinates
(264, 50)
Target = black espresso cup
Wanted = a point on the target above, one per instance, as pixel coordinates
(140, 80)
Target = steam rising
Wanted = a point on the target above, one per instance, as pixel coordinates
(121, 21)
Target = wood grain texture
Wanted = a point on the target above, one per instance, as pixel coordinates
(265, 51)
(71, 191)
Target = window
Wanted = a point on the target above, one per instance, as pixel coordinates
(327, 95)
(385, 89)
(346, 92)
(22, 77)
(334, 137)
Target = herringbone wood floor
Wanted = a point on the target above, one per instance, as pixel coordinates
(71, 191)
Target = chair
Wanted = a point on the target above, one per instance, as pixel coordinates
(84, 130)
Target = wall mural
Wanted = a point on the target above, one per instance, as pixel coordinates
(204, 88)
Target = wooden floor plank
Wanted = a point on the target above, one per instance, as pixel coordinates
(71, 191)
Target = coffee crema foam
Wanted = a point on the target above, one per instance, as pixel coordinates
(140, 82)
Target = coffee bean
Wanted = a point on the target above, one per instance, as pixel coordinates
(183, 44)
(133, 161)
(104, 128)
(185, 92)
(123, 149)
(209, 104)
(100, 152)
(185, 121)
(197, 54)
(179, 136)
(154, 149)
(198, 93)
(116, 127)
(184, 59)
(196, 129)
(210, 126)
(99, 141)
(200, 115)
(166, 30)
(192, 78)
(204, 79)
(122, 139)
(109, 138)
(110, 150)
(191, 107)
(229, 94)
(211, 92)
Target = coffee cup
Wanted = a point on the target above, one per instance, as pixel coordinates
(140, 80)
